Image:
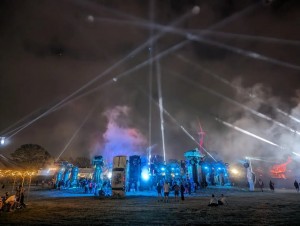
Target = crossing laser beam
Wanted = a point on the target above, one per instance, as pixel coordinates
(263, 116)
(247, 132)
(230, 84)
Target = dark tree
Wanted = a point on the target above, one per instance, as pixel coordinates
(31, 156)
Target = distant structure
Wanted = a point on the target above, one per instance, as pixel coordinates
(193, 159)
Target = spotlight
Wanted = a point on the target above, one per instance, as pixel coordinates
(196, 10)
(90, 18)
(235, 171)
(145, 175)
(2, 140)
(109, 174)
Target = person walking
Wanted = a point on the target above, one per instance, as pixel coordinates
(296, 185)
(166, 191)
(159, 188)
(261, 185)
(176, 189)
(271, 184)
(182, 190)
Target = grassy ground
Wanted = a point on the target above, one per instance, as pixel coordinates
(245, 208)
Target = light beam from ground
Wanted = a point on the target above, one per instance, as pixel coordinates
(179, 45)
(108, 70)
(263, 116)
(248, 37)
(238, 89)
(151, 15)
(243, 52)
(77, 131)
(200, 38)
(247, 132)
(161, 107)
(176, 122)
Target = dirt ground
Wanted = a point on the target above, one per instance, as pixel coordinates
(53, 207)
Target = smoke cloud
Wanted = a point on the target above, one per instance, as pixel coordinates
(119, 138)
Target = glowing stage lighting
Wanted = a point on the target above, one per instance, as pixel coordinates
(297, 154)
(145, 175)
(234, 171)
(2, 140)
(162, 169)
(109, 174)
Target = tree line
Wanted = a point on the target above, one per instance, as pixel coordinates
(34, 157)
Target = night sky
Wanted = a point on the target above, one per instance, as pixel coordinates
(239, 58)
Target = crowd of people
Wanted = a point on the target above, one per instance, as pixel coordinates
(11, 202)
(164, 188)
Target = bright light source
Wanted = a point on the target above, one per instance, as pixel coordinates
(196, 10)
(219, 168)
(90, 18)
(296, 153)
(145, 175)
(205, 167)
(163, 169)
(235, 171)
(2, 140)
(109, 174)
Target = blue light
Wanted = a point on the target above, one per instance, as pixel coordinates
(145, 176)
(205, 167)
(172, 168)
(163, 169)
(219, 168)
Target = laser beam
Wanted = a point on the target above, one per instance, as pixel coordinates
(247, 133)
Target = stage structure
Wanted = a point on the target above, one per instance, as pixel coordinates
(173, 170)
(118, 180)
(98, 165)
(194, 172)
(63, 173)
(67, 174)
(134, 176)
(74, 176)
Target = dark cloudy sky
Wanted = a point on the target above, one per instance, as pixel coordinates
(250, 53)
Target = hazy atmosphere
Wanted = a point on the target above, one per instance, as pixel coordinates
(85, 78)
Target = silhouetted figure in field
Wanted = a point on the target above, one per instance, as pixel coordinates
(182, 189)
(213, 201)
(159, 194)
(261, 184)
(296, 185)
(222, 200)
(272, 188)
